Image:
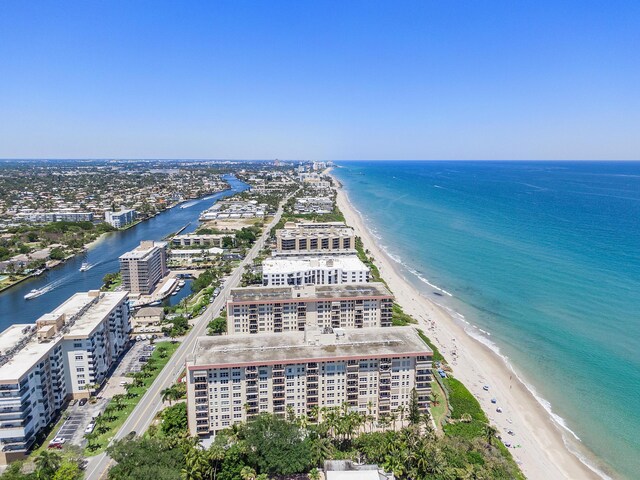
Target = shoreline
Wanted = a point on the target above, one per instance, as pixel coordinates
(544, 452)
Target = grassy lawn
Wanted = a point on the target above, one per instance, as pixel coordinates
(439, 411)
(102, 439)
(437, 356)
(52, 433)
(399, 318)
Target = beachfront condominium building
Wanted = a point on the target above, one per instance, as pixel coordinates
(306, 238)
(121, 218)
(43, 365)
(372, 371)
(143, 267)
(313, 270)
(284, 309)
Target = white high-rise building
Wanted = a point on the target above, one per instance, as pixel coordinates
(313, 270)
(43, 365)
(121, 218)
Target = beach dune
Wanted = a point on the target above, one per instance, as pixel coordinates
(543, 453)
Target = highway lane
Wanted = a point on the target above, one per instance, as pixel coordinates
(141, 417)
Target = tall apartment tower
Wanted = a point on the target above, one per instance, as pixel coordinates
(313, 238)
(374, 370)
(143, 267)
(285, 309)
(43, 365)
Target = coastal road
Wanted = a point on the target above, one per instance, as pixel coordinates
(141, 417)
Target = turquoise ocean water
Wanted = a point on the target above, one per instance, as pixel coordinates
(542, 256)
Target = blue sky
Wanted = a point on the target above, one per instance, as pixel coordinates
(339, 80)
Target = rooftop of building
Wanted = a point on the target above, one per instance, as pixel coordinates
(281, 264)
(89, 319)
(124, 211)
(150, 312)
(29, 350)
(200, 235)
(294, 230)
(142, 250)
(320, 292)
(377, 342)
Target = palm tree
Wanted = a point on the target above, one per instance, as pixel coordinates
(401, 411)
(314, 474)
(118, 399)
(129, 389)
(248, 473)
(47, 463)
(215, 456)
(169, 394)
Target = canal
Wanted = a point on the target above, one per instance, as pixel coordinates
(65, 280)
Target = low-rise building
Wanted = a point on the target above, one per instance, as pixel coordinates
(373, 371)
(143, 267)
(313, 270)
(283, 309)
(121, 218)
(305, 238)
(43, 365)
(147, 318)
(60, 216)
(317, 205)
(228, 209)
(198, 240)
(188, 255)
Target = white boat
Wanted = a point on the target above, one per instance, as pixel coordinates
(153, 304)
(182, 283)
(85, 266)
(33, 294)
(174, 293)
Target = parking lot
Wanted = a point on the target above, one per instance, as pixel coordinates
(72, 430)
(79, 416)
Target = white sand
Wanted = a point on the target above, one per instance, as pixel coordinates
(543, 454)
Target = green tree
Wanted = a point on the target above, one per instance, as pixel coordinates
(145, 458)
(68, 471)
(277, 446)
(46, 464)
(174, 420)
(57, 254)
(217, 326)
(414, 408)
(248, 473)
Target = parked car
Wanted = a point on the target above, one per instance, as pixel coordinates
(89, 428)
(82, 402)
(57, 442)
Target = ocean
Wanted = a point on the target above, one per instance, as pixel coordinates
(542, 259)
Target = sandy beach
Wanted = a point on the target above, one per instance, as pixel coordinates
(543, 453)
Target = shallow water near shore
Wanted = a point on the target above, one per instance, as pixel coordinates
(544, 259)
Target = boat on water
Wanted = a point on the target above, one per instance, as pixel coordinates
(174, 293)
(153, 304)
(182, 283)
(38, 272)
(85, 266)
(33, 294)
